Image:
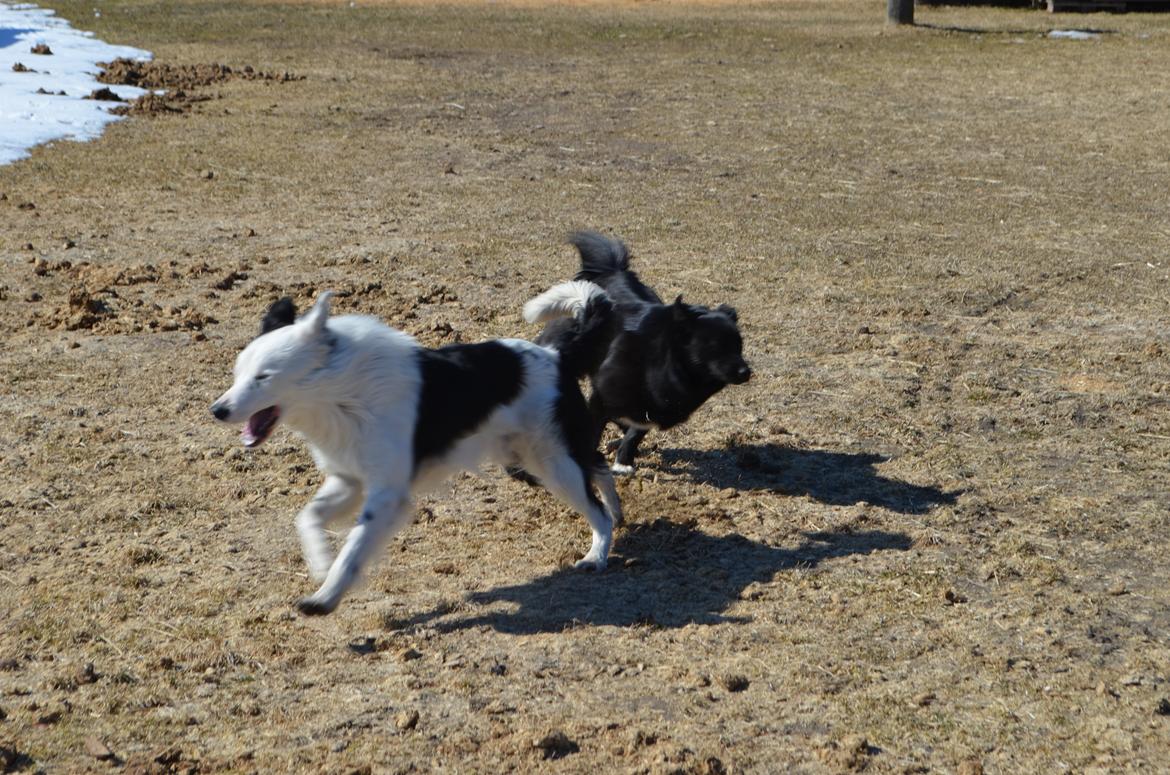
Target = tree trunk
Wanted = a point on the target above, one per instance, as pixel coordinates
(900, 11)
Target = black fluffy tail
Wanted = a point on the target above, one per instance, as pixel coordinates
(600, 255)
(583, 339)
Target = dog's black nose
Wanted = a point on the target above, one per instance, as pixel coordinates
(220, 411)
(742, 375)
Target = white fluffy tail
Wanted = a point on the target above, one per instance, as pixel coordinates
(562, 301)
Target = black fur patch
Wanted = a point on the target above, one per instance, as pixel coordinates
(462, 384)
(581, 433)
(665, 370)
(282, 313)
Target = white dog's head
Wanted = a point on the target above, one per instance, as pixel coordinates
(270, 373)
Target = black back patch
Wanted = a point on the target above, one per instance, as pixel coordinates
(462, 384)
(282, 313)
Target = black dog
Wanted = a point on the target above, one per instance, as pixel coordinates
(661, 361)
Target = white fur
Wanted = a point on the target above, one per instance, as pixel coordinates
(564, 300)
(350, 386)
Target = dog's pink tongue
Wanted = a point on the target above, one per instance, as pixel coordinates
(259, 426)
(248, 434)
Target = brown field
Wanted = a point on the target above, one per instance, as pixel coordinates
(930, 535)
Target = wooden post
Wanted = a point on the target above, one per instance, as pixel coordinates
(899, 11)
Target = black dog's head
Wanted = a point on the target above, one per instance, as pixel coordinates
(712, 340)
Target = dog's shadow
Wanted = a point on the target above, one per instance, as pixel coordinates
(834, 478)
(663, 574)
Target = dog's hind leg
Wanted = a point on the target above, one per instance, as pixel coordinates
(384, 513)
(603, 479)
(338, 497)
(569, 482)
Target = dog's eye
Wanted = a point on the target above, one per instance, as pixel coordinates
(263, 377)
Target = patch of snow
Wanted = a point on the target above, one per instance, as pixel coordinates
(1073, 34)
(29, 118)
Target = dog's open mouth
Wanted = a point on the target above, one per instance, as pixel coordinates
(260, 426)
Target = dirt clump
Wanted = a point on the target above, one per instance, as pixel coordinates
(178, 81)
(111, 276)
(151, 104)
(164, 75)
(104, 94)
(555, 745)
(734, 682)
(104, 311)
(169, 761)
(228, 281)
(83, 310)
(97, 749)
(851, 752)
(406, 720)
(970, 767)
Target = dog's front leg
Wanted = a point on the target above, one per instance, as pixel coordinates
(337, 498)
(383, 514)
(627, 449)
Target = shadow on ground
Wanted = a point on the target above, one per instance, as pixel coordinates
(835, 478)
(1017, 32)
(663, 574)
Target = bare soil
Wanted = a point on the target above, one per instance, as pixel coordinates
(929, 535)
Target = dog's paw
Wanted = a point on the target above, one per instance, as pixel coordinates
(595, 564)
(310, 607)
(621, 469)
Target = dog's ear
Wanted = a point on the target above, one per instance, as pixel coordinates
(282, 313)
(729, 311)
(314, 319)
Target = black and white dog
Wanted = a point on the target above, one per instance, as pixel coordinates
(660, 362)
(386, 418)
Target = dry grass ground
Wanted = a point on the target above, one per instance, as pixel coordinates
(928, 536)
